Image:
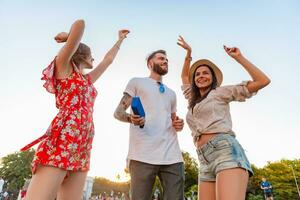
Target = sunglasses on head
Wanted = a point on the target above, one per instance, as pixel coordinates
(161, 87)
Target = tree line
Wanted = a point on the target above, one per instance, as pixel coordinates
(283, 175)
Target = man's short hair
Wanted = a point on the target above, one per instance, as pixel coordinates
(154, 53)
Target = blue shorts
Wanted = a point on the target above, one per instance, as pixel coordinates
(268, 194)
(221, 152)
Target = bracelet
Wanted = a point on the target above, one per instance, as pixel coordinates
(117, 46)
(188, 58)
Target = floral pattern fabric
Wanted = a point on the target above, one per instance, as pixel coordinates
(68, 141)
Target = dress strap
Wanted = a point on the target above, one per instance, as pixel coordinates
(75, 68)
(38, 140)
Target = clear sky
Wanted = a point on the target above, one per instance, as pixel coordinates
(266, 31)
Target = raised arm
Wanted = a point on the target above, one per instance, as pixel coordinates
(109, 57)
(187, 61)
(259, 79)
(72, 41)
(122, 115)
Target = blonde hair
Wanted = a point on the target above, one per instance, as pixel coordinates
(82, 52)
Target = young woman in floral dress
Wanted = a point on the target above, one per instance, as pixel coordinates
(62, 159)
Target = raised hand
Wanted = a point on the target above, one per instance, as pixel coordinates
(181, 42)
(61, 37)
(123, 33)
(187, 61)
(234, 52)
(259, 79)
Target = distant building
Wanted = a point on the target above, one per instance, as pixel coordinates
(88, 187)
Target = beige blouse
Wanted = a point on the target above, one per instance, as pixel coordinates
(212, 114)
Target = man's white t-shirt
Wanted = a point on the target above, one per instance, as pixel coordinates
(156, 143)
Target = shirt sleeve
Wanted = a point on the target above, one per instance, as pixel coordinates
(48, 76)
(131, 87)
(174, 104)
(186, 89)
(237, 92)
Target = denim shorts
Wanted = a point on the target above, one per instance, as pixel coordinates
(221, 152)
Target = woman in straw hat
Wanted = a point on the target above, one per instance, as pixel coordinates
(62, 159)
(224, 167)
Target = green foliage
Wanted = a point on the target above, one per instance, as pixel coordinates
(255, 197)
(191, 175)
(280, 175)
(193, 191)
(157, 185)
(15, 168)
(190, 171)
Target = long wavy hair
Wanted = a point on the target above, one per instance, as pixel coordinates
(195, 93)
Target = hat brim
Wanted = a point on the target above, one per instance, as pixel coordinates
(205, 62)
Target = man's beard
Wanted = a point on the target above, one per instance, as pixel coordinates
(159, 70)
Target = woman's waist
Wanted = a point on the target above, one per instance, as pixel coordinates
(74, 102)
(77, 112)
(72, 108)
(204, 138)
(198, 130)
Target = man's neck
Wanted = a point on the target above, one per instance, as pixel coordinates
(156, 76)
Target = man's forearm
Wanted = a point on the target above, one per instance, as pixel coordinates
(120, 112)
(122, 115)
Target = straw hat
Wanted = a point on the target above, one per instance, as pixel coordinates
(206, 62)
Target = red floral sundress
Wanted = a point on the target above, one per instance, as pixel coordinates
(68, 141)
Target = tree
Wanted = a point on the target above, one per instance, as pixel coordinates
(192, 192)
(103, 185)
(255, 197)
(15, 168)
(280, 175)
(191, 169)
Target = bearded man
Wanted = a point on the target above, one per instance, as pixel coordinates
(153, 145)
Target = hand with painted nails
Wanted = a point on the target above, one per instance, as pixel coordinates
(234, 52)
